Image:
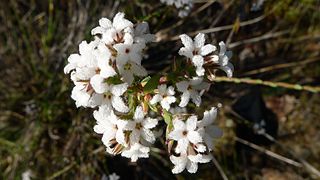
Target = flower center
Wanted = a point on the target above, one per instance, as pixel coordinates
(138, 126)
(127, 67)
(184, 133)
(107, 95)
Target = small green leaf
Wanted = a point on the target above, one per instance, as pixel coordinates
(167, 117)
(152, 84)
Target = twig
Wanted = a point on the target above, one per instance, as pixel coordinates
(269, 153)
(259, 38)
(216, 163)
(59, 173)
(222, 28)
(281, 66)
(267, 83)
(304, 163)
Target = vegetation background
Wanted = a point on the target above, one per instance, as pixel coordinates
(277, 47)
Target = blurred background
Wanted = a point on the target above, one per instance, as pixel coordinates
(270, 109)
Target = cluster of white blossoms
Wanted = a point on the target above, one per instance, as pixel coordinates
(129, 104)
(184, 6)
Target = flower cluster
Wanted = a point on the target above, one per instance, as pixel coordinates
(184, 6)
(130, 105)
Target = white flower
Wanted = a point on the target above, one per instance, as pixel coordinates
(109, 125)
(222, 59)
(142, 35)
(109, 95)
(26, 175)
(208, 131)
(113, 176)
(192, 89)
(184, 133)
(128, 69)
(86, 58)
(196, 50)
(182, 162)
(128, 51)
(103, 56)
(165, 96)
(140, 127)
(184, 6)
(112, 31)
(136, 151)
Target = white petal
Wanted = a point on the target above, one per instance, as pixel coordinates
(182, 145)
(186, 41)
(135, 136)
(209, 117)
(228, 69)
(199, 158)
(107, 136)
(179, 164)
(162, 89)
(131, 125)
(138, 114)
(149, 123)
(97, 30)
(192, 167)
(207, 49)
(178, 124)
(197, 60)
(176, 135)
(222, 48)
(200, 71)
(120, 23)
(194, 137)
(182, 86)
(119, 89)
(139, 70)
(185, 97)
(165, 103)
(192, 123)
(199, 40)
(98, 84)
(155, 99)
(196, 98)
(170, 91)
(127, 75)
(148, 135)
(118, 104)
(105, 23)
(185, 52)
(120, 138)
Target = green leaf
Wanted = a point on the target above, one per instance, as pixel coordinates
(167, 117)
(152, 84)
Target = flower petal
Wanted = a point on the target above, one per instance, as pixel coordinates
(155, 99)
(199, 40)
(148, 135)
(207, 49)
(119, 104)
(194, 137)
(119, 89)
(186, 41)
(185, 97)
(192, 123)
(149, 123)
(182, 86)
(138, 114)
